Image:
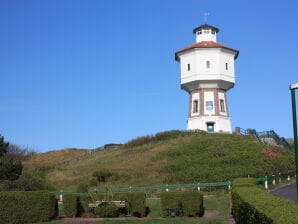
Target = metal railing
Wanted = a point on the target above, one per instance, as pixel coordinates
(198, 186)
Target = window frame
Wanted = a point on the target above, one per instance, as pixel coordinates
(195, 106)
(208, 64)
(222, 106)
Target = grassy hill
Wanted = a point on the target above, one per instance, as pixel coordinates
(167, 157)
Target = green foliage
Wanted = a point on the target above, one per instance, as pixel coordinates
(107, 209)
(70, 205)
(83, 187)
(244, 182)
(228, 156)
(171, 200)
(102, 175)
(161, 136)
(31, 180)
(188, 203)
(252, 205)
(136, 203)
(10, 168)
(3, 146)
(192, 203)
(27, 207)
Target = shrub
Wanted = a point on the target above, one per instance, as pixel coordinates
(70, 204)
(27, 207)
(83, 187)
(171, 200)
(254, 205)
(136, 203)
(241, 182)
(188, 203)
(192, 203)
(107, 209)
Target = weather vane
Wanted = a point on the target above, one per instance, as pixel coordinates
(206, 14)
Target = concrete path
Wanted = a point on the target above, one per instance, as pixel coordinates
(288, 192)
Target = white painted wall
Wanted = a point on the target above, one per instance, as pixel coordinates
(199, 72)
(203, 36)
(221, 124)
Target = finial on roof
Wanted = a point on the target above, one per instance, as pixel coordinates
(206, 14)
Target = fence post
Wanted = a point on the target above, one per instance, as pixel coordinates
(199, 187)
(61, 196)
(229, 186)
(273, 181)
(279, 178)
(167, 189)
(266, 183)
(289, 178)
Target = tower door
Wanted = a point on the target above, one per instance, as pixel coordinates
(210, 127)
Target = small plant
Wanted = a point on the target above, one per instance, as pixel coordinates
(107, 209)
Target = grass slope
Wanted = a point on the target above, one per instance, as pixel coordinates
(168, 157)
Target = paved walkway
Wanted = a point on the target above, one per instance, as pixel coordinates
(288, 192)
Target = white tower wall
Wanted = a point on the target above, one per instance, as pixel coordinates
(207, 72)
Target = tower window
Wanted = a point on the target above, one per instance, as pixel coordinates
(188, 67)
(213, 32)
(227, 66)
(195, 107)
(222, 105)
(207, 64)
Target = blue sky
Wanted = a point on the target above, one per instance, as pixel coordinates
(86, 73)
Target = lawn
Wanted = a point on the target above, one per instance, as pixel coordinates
(219, 201)
(163, 221)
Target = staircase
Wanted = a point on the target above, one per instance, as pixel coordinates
(265, 137)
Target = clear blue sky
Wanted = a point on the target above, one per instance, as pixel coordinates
(85, 73)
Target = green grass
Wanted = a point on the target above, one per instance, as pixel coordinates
(154, 208)
(50, 222)
(220, 201)
(164, 221)
(166, 158)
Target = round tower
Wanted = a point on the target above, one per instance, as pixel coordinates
(207, 73)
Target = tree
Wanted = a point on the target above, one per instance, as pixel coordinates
(102, 175)
(10, 168)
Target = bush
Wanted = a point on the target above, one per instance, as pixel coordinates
(188, 203)
(136, 203)
(241, 182)
(171, 200)
(192, 203)
(83, 187)
(70, 205)
(27, 207)
(107, 209)
(253, 205)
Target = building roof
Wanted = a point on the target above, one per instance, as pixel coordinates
(205, 26)
(206, 44)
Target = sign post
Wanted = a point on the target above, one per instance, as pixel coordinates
(293, 87)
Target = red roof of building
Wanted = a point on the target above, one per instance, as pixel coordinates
(206, 44)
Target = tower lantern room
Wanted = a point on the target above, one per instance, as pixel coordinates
(207, 73)
(205, 33)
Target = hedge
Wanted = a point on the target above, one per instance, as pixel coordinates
(70, 205)
(192, 204)
(136, 203)
(107, 209)
(77, 205)
(27, 206)
(252, 205)
(188, 203)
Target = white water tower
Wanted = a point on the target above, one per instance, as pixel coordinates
(207, 73)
